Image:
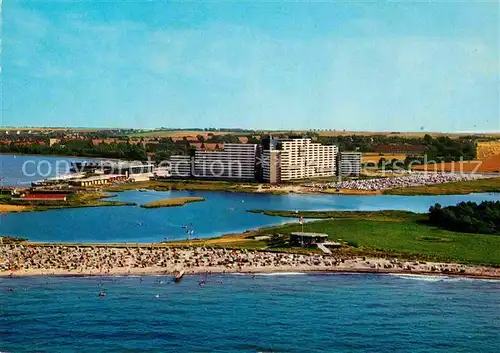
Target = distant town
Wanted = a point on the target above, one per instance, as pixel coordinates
(315, 160)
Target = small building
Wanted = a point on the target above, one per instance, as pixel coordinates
(128, 168)
(97, 180)
(306, 239)
(44, 197)
(54, 141)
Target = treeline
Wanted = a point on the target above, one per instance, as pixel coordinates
(440, 149)
(166, 147)
(467, 217)
(83, 148)
(229, 129)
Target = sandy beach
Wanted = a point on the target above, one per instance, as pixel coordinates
(4, 208)
(32, 260)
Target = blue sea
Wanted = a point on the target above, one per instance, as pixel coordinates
(242, 313)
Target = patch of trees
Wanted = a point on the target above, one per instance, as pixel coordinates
(83, 148)
(440, 149)
(467, 217)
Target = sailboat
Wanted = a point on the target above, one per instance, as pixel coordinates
(178, 276)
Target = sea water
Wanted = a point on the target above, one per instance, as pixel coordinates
(245, 313)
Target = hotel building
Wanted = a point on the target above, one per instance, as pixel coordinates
(180, 166)
(235, 161)
(298, 159)
(350, 163)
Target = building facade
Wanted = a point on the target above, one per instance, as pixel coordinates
(180, 166)
(350, 163)
(236, 161)
(271, 172)
(298, 159)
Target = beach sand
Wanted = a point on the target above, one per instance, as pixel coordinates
(13, 208)
(32, 260)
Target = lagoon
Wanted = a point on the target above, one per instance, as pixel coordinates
(221, 213)
(22, 170)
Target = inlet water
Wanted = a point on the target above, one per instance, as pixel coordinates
(221, 213)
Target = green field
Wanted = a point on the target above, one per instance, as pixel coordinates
(172, 202)
(192, 185)
(362, 215)
(73, 201)
(397, 233)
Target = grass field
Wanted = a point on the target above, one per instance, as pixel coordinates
(172, 202)
(397, 233)
(362, 215)
(487, 165)
(166, 185)
(181, 133)
(73, 201)
(192, 185)
(457, 188)
(375, 157)
(411, 134)
(463, 187)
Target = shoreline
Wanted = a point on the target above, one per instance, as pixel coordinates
(67, 156)
(443, 189)
(18, 260)
(490, 184)
(255, 271)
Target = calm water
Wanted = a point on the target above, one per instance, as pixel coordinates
(221, 213)
(19, 170)
(278, 313)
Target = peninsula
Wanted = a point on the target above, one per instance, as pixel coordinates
(378, 241)
(172, 202)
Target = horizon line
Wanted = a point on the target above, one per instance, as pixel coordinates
(228, 129)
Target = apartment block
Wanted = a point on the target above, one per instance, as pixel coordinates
(180, 166)
(298, 159)
(236, 161)
(270, 166)
(350, 163)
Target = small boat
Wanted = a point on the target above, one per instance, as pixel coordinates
(178, 276)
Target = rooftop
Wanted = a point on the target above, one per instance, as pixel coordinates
(310, 235)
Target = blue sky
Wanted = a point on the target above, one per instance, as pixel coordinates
(381, 66)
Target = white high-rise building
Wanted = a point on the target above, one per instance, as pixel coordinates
(298, 159)
(236, 161)
(350, 163)
(180, 166)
